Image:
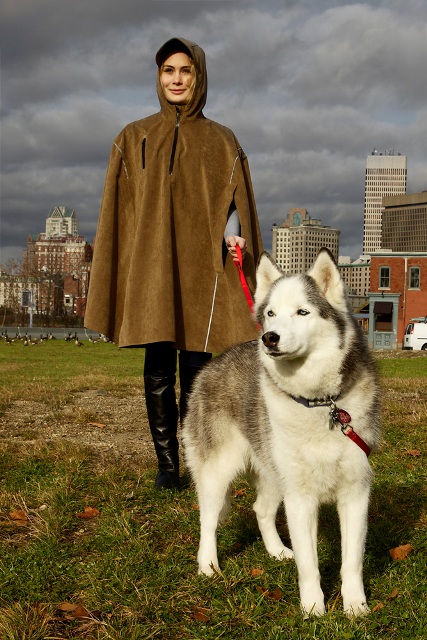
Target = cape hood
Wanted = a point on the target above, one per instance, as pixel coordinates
(196, 53)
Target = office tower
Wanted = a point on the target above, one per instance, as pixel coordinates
(404, 224)
(298, 240)
(385, 176)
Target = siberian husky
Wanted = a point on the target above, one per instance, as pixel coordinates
(299, 412)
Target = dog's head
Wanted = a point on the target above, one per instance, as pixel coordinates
(297, 312)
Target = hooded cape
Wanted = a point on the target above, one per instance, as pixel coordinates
(161, 271)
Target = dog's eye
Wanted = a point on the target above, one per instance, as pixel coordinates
(270, 313)
(303, 312)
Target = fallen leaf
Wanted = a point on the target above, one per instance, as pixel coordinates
(96, 614)
(67, 606)
(412, 452)
(97, 424)
(393, 594)
(199, 614)
(257, 572)
(70, 612)
(400, 553)
(377, 607)
(80, 612)
(89, 513)
(19, 517)
(273, 595)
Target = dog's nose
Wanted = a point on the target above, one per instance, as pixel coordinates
(270, 339)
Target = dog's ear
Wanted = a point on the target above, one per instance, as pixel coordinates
(267, 272)
(327, 276)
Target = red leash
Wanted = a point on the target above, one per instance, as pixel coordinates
(239, 265)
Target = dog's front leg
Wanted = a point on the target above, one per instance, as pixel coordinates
(353, 513)
(302, 517)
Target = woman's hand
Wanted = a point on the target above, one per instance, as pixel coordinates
(231, 242)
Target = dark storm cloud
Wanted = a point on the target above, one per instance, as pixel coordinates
(308, 86)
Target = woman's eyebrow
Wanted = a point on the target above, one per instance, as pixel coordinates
(170, 66)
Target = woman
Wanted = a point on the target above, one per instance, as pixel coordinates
(177, 200)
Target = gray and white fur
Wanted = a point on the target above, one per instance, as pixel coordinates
(264, 409)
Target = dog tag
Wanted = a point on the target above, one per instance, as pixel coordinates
(333, 417)
(343, 416)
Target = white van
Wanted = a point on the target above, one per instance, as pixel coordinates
(416, 335)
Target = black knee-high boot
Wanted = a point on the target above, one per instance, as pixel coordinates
(163, 420)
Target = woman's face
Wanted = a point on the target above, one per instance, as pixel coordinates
(177, 76)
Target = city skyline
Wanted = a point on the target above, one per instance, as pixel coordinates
(310, 88)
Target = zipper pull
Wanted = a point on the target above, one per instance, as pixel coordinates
(175, 140)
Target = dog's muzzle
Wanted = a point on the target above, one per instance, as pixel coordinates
(270, 339)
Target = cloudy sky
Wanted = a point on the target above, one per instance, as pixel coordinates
(309, 87)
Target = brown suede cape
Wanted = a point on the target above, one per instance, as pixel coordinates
(160, 270)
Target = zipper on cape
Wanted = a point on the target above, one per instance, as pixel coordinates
(143, 145)
(175, 140)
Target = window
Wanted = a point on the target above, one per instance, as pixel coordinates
(414, 277)
(384, 278)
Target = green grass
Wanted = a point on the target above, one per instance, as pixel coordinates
(134, 566)
(53, 370)
(402, 365)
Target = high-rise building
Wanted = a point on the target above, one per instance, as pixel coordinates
(385, 176)
(298, 240)
(404, 224)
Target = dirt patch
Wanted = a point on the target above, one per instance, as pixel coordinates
(115, 428)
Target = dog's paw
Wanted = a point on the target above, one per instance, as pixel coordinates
(315, 610)
(208, 569)
(312, 601)
(284, 553)
(356, 608)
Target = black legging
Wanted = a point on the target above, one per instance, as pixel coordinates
(160, 359)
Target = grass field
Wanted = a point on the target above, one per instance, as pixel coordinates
(96, 553)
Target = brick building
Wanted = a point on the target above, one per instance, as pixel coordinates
(398, 292)
(60, 260)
